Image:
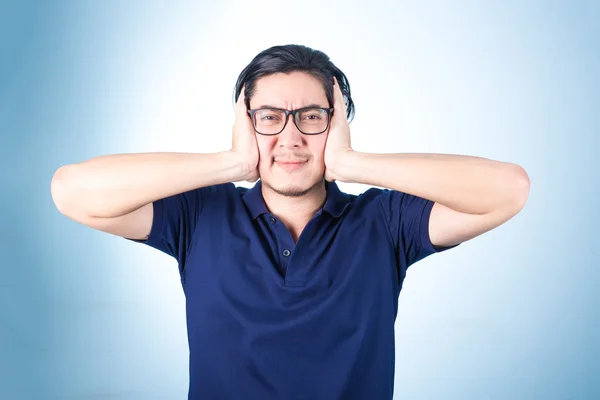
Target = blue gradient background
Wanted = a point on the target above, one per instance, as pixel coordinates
(512, 314)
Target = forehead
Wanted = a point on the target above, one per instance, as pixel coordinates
(294, 90)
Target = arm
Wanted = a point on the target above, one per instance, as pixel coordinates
(472, 195)
(115, 185)
(114, 193)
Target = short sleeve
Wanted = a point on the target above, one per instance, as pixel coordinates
(408, 220)
(174, 222)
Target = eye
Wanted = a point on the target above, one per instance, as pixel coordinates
(269, 115)
(312, 115)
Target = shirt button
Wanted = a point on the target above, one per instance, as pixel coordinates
(287, 253)
(272, 220)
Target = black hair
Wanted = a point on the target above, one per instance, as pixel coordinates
(291, 58)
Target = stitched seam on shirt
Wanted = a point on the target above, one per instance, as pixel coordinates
(161, 237)
(387, 223)
(162, 225)
(193, 235)
(395, 246)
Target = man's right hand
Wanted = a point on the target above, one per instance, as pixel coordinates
(244, 140)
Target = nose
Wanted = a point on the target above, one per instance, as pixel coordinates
(290, 137)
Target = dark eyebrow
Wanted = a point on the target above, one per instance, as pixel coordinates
(308, 106)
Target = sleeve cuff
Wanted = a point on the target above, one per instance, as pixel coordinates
(424, 231)
(157, 224)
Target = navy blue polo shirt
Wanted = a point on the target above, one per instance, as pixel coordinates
(268, 318)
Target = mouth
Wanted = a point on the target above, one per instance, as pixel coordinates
(290, 165)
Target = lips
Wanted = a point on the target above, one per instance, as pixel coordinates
(290, 165)
(290, 161)
(284, 160)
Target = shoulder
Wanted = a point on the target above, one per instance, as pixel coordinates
(365, 204)
(374, 197)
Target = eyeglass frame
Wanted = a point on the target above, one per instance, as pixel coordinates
(293, 113)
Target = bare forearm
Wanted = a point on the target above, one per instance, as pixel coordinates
(466, 184)
(114, 185)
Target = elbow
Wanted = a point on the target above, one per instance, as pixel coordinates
(522, 187)
(59, 189)
(523, 177)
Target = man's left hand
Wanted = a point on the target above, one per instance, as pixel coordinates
(338, 139)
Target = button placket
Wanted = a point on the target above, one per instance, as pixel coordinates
(296, 276)
(284, 241)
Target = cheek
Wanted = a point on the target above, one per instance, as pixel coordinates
(265, 149)
(318, 148)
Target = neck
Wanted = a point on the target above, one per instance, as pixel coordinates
(295, 208)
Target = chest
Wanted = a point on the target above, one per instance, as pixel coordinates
(259, 260)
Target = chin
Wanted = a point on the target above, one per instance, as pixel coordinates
(290, 189)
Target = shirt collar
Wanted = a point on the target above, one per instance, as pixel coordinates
(335, 203)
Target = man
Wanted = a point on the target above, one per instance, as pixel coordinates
(292, 286)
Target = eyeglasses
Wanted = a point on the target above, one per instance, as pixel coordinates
(308, 120)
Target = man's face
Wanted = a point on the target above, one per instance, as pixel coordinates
(291, 163)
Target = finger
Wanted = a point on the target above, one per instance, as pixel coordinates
(338, 97)
(240, 105)
(242, 113)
